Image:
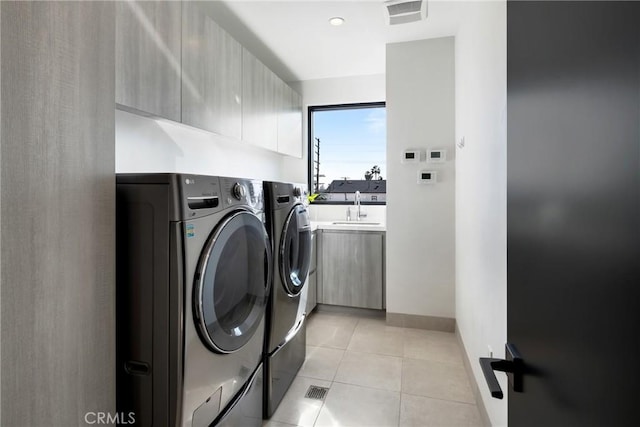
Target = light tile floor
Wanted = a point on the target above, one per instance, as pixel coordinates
(378, 375)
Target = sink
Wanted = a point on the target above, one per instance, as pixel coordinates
(354, 223)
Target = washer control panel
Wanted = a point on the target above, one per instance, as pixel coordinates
(241, 192)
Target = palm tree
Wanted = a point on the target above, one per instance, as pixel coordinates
(375, 172)
(368, 175)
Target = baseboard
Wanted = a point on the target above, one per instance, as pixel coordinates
(432, 323)
(349, 311)
(486, 421)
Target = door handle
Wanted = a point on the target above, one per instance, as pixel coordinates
(512, 365)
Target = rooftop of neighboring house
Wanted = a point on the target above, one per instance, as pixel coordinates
(353, 185)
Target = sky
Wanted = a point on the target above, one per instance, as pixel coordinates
(351, 142)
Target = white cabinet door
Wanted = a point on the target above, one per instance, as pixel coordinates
(212, 73)
(148, 57)
(260, 103)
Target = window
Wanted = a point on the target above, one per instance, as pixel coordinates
(348, 150)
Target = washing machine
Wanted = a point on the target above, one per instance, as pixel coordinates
(193, 278)
(285, 344)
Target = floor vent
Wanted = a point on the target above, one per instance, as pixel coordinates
(317, 393)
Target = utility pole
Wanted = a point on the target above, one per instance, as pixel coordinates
(316, 148)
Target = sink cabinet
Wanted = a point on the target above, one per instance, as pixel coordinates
(352, 272)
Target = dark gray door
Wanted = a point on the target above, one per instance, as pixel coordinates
(574, 211)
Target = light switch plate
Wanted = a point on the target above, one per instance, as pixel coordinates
(427, 177)
(436, 156)
(412, 156)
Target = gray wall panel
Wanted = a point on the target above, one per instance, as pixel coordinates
(57, 211)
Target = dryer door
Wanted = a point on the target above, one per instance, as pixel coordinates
(295, 250)
(232, 282)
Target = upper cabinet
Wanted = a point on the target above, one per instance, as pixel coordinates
(174, 61)
(148, 57)
(260, 106)
(289, 122)
(212, 73)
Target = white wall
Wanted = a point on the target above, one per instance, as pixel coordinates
(374, 213)
(420, 218)
(144, 144)
(343, 90)
(481, 189)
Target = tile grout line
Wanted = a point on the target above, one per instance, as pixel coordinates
(334, 375)
(401, 377)
(441, 399)
(324, 401)
(338, 367)
(368, 387)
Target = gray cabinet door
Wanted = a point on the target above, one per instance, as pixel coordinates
(312, 281)
(212, 73)
(148, 57)
(352, 266)
(289, 122)
(260, 104)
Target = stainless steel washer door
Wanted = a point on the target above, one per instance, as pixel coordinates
(295, 250)
(232, 282)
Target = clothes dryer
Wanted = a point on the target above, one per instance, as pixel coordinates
(285, 345)
(193, 278)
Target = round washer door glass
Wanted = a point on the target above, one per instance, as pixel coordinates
(295, 250)
(232, 282)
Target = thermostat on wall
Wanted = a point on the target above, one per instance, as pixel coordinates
(411, 156)
(436, 156)
(427, 177)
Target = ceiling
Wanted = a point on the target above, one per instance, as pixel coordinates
(294, 37)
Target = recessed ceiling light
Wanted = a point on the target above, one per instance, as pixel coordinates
(336, 21)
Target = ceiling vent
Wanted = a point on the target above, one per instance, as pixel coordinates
(405, 11)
